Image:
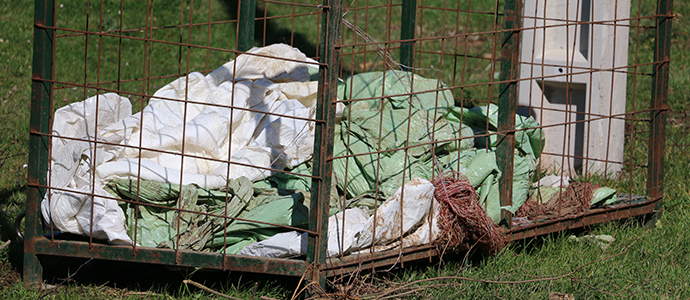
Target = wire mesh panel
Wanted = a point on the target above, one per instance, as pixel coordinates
(260, 136)
(165, 144)
(523, 118)
(404, 154)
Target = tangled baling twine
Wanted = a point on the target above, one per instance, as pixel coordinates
(572, 201)
(462, 219)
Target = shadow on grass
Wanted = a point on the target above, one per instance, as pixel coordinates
(157, 278)
(274, 33)
(7, 219)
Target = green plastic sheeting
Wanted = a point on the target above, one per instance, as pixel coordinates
(385, 138)
(158, 224)
(604, 196)
(378, 156)
(375, 129)
(388, 134)
(481, 170)
(288, 184)
(544, 194)
(529, 138)
(529, 142)
(280, 210)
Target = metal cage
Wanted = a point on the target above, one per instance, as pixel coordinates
(592, 75)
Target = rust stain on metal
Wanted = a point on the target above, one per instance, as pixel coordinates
(351, 263)
(593, 216)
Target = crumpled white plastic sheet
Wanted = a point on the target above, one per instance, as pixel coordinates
(393, 217)
(282, 245)
(553, 181)
(341, 236)
(419, 224)
(196, 127)
(72, 161)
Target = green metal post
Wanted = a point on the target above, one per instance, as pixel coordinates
(245, 25)
(657, 134)
(323, 136)
(408, 24)
(39, 142)
(507, 103)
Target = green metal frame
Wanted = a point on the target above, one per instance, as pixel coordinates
(323, 138)
(35, 243)
(246, 24)
(39, 141)
(507, 103)
(408, 23)
(657, 133)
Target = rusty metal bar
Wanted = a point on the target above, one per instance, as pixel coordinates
(180, 258)
(591, 217)
(594, 216)
(354, 262)
(324, 137)
(657, 134)
(507, 103)
(39, 144)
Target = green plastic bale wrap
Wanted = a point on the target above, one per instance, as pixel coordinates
(529, 137)
(279, 210)
(387, 134)
(604, 196)
(384, 121)
(481, 170)
(159, 225)
(198, 225)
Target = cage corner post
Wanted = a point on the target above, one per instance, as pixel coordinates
(39, 140)
(660, 78)
(246, 25)
(408, 23)
(507, 105)
(324, 133)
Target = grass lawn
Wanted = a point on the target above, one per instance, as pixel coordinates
(643, 262)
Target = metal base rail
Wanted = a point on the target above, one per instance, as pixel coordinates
(333, 266)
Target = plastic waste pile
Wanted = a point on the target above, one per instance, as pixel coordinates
(197, 137)
(168, 167)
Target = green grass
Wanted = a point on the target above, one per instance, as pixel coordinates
(642, 263)
(436, 19)
(127, 65)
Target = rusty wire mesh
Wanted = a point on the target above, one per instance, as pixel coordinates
(417, 98)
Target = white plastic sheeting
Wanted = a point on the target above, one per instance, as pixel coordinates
(197, 127)
(71, 168)
(341, 236)
(412, 212)
(393, 217)
(553, 181)
(281, 245)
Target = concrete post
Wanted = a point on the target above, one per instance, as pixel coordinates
(563, 42)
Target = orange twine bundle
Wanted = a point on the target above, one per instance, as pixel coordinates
(572, 201)
(461, 217)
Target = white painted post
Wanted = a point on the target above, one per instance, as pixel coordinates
(579, 69)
